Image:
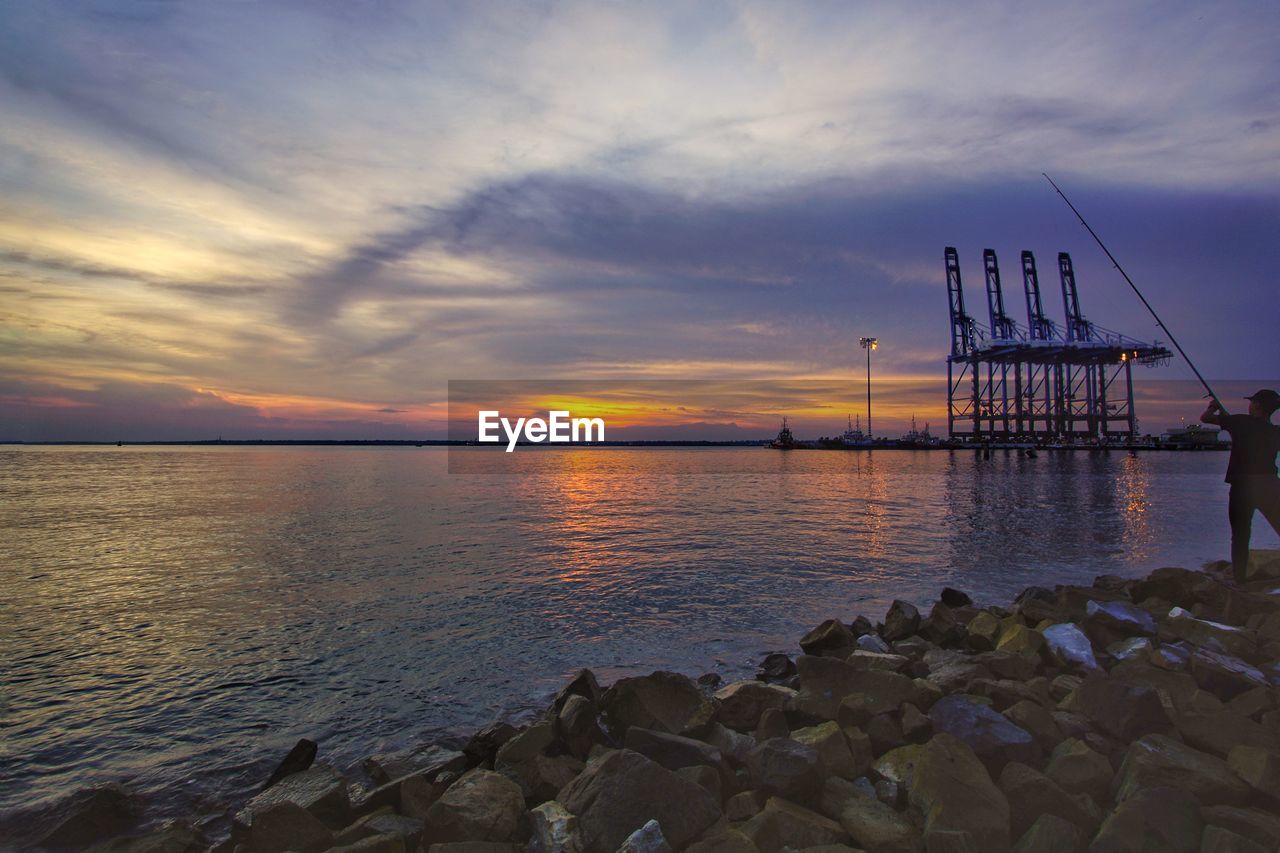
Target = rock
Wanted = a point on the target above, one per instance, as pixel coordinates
(1063, 685)
(1254, 824)
(484, 744)
(872, 643)
(1155, 820)
(729, 841)
(524, 745)
(382, 823)
(1172, 657)
(583, 684)
(916, 727)
(776, 667)
(984, 630)
(952, 788)
(1202, 632)
(1259, 767)
(471, 847)
(1020, 640)
(787, 768)
(709, 778)
(782, 824)
(954, 675)
(1254, 702)
(1121, 709)
(889, 792)
(1218, 731)
(622, 791)
(541, 776)
(577, 725)
(993, 738)
(877, 660)
(901, 621)
(663, 701)
(320, 789)
(554, 829)
(1069, 647)
(299, 758)
(742, 703)
(1030, 793)
(942, 627)
(1119, 618)
(869, 822)
(1134, 648)
(773, 723)
(955, 598)
(285, 825)
(673, 751)
(733, 744)
(1051, 834)
(1077, 769)
(1157, 761)
(832, 747)
(385, 843)
(1183, 587)
(646, 839)
(949, 841)
(92, 814)
(885, 734)
(1215, 839)
(480, 806)
(1034, 718)
(1225, 676)
(825, 682)
(174, 836)
(832, 639)
(899, 764)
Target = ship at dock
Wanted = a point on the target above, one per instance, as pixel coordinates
(917, 439)
(853, 435)
(785, 440)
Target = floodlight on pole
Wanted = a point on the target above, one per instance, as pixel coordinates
(869, 344)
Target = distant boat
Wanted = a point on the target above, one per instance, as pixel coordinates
(918, 438)
(853, 435)
(785, 440)
(1194, 437)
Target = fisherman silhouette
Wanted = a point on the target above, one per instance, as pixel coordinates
(1251, 471)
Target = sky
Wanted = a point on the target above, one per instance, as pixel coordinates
(302, 219)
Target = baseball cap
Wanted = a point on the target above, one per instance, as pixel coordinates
(1266, 397)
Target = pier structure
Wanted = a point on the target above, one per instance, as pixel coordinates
(1041, 382)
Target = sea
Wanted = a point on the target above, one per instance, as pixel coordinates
(175, 618)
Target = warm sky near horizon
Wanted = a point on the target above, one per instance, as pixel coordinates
(297, 219)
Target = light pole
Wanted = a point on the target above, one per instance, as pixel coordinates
(868, 344)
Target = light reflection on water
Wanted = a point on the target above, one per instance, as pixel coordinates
(179, 616)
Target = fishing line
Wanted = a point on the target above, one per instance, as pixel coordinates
(1116, 264)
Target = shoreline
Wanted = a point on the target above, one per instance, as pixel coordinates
(1076, 713)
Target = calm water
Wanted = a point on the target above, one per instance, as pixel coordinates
(176, 617)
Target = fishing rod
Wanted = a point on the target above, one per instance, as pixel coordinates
(1116, 264)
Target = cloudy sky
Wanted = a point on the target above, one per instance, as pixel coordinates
(304, 218)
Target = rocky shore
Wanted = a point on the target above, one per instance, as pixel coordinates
(1127, 715)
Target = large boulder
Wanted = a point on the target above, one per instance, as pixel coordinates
(955, 792)
(834, 752)
(622, 791)
(285, 825)
(825, 682)
(320, 790)
(1260, 826)
(1116, 619)
(742, 703)
(673, 751)
(994, 738)
(831, 639)
(1068, 646)
(1259, 767)
(553, 829)
(901, 621)
(787, 768)
(984, 630)
(1157, 761)
(1018, 639)
(1154, 820)
(1225, 676)
(1217, 732)
(1077, 769)
(1182, 587)
(784, 825)
(90, 815)
(1030, 794)
(1121, 709)
(1184, 625)
(664, 701)
(480, 806)
(870, 823)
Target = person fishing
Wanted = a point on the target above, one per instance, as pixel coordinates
(1251, 470)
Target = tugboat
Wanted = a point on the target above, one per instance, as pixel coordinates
(785, 440)
(854, 437)
(918, 438)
